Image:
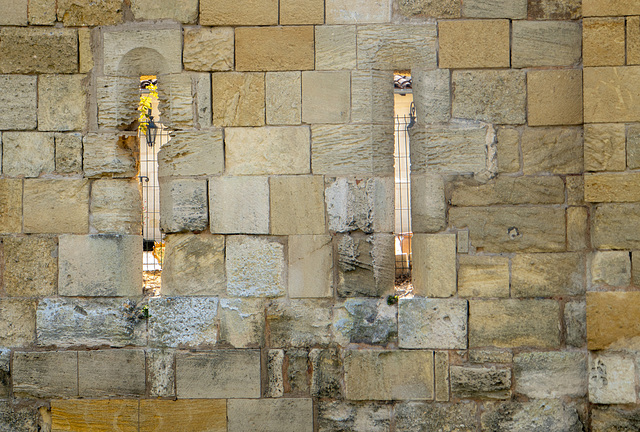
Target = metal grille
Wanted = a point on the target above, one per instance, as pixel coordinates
(402, 167)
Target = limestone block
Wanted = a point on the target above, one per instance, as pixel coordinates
(238, 99)
(491, 96)
(388, 375)
(545, 43)
(575, 189)
(13, 12)
(117, 99)
(554, 97)
(462, 241)
(490, 356)
(275, 374)
(296, 372)
(614, 226)
(351, 149)
(555, 9)
(239, 13)
(578, 229)
(495, 9)
(434, 270)
(368, 321)
(547, 275)
(94, 415)
(202, 99)
(633, 146)
(239, 205)
(605, 418)
(411, 416)
(301, 12)
(297, 205)
(514, 323)
(255, 267)
(611, 187)
(18, 99)
(610, 323)
(326, 96)
(68, 153)
(185, 11)
(161, 376)
(61, 102)
(507, 148)
(208, 49)
(310, 266)
(326, 374)
(267, 150)
(604, 147)
(473, 44)
(183, 205)
(552, 150)
(610, 8)
(372, 97)
(432, 95)
(64, 202)
(551, 374)
(122, 48)
(116, 206)
(429, 8)
(428, 206)
(633, 40)
(192, 153)
(18, 324)
(509, 191)
(242, 322)
(483, 276)
(367, 417)
(283, 98)
(480, 382)
(575, 321)
(38, 50)
(219, 374)
(335, 47)
(432, 323)
(299, 323)
(30, 266)
(378, 47)
(111, 154)
(270, 415)
(183, 321)
(109, 373)
(5, 374)
(441, 370)
(274, 48)
(27, 154)
(65, 322)
(18, 418)
(45, 374)
(359, 12)
(205, 415)
(611, 379)
(100, 265)
(11, 204)
(635, 267)
(176, 100)
(88, 13)
(366, 265)
(603, 41)
(535, 416)
(85, 48)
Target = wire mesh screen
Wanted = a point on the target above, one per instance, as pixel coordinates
(402, 165)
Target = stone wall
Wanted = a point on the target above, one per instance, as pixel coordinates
(276, 310)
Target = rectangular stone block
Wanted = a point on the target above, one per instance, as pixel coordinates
(603, 41)
(490, 356)
(434, 270)
(366, 265)
(335, 47)
(365, 321)
(410, 415)
(428, 206)
(61, 102)
(604, 147)
(575, 321)
(607, 417)
(233, 13)
(578, 229)
(205, 415)
(176, 100)
(68, 153)
(64, 202)
(13, 12)
(609, 379)
(242, 322)
(555, 9)
(432, 323)
(183, 321)
(633, 40)
(611, 94)
(326, 97)
(552, 150)
(545, 43)
(551, 374)
(11, 204)
(87, 13)
(18, 324)
(255, 267)
(161, 375)
(473, 44)
(192, 153)
(326, 374)
(441, 369)
(30, 266)
(18, 99)
(284, 98)
(310, 266)
(239, 205)
(116, 206)
(299, 323)
(554, 97)
(45, 374)
(356, 417)
(614, 226)
(274, 48)
(301, 12)
(219, 374)
(238, 99)
(495, 9)
(547, 275)
(610, 323)
(100, 265)
(507, 149)
(117, 99)
(612, 187)
(27, 154)
(610, 7)
(109, 373)
(5, 373)
(389, 375)
(184, 12)
(432, 95)
(345, 12)
(297, 205)
(183, 205)
(94, 415)
(372, 98)
(611, 268)
(483, 276)
(378, 47)
(509, 191)
(208, 49)
(84, 46)
(480, 382)
(270, 415)
(110, 154)
(38, 50)
(514, 323)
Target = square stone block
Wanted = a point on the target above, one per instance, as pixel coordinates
(11, 204)
(62, 102)
(201, 415)
(611, 268)
(38, 50)
(18, 324)
(27, 154)
(274, 48)
(56, 206)
(378, 46)
(556, 150)
(239, 205)
(610, 379)
(30, 266)
(299, 323)
(432, 323)
(545, 43)
(255, 267)
(111, 373)
(297, 205)
(95, 415)
(326, 97)
(183, 205)
(242, 322)
(238, 13)
(45, 374)
(372, 98)
(42, 12)
(603, 41)
(368, 321)
(474, 44)
(610, 320)
(192, 153)
(301, 12)
(18, 101)
(348, 12)
(270, 415)
(605, 147)
(366, 265)
(208, 49)
(483, 276)
(614, 226)
(284, 98)
(434, 270)
(554, 97)
(183, 321)
(335, 47)
(310, 266)
(238, 99)
(111, 154)
(116, 206)
(117, 100)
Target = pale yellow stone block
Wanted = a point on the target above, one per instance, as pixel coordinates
(310, 266)
(633, 40)
(603, 41)
(42, 12)
(483, 276)
(474, 44)
(554, 97)
(612, 187)
(434, 269)
(238, 99)
(610, 7)
(335, 47)
(301, 12)
(11, 204)
(326, 97)
(13, 12)
(611, 94)
(238, 12)
(604, 147)
(357, 12)
(85, 49)
(208, 49)
(56, 206)
(577, 229)
(297, 205)
(284, 98)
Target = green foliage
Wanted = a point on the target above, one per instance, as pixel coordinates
(145, 107)
(392, 299)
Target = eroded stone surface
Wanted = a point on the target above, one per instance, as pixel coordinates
(111, 154)
(45, 374)
(255, 267)
(109, 373)
(610, 379)
(18, 325)
(432, 323)
(87, 13)
(365, 265)
(610, 268)
(414, 416)
(326, 373)
(299, 323)
(495, 9)
(161, 372)
(61, 102)
(613, 226)
(367, 321)
(284, 415)
(238, 99)
(38, 50)
(479, 382)
(27, 154)
(242, 322)
(378, 47)
(367, 417)
(536, 416)
(30, 266)
(335, 47)
(183, 321)
(183, 205)
(18, 99)
(68, 153)
(509, 191)
(551, 375)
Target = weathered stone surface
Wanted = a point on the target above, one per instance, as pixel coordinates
(483, 276)
(368, 321)
(176, 100)
(611, 268)
(30, 266)
(603, 41)
(578, 229)
(441, 371)
(536, 416)
(255, 267)
(68, 153)
(116, 206)
(509, 191)
(611, 187)
(296, 372)
(555, 9)
(18, 418)
(635, 268)
(610, 8)
(203, 415)
(388, 375)
(428, 206)
(633, 146)
(238, 99)
(242, 13)
(614, 226)
(545, 43)
(218, 374)
(575, 321)
(84, 47)
(267, 150)
(117, 99)
(192, 153)
(100, 265)
(372, 99)
(110, 154)
(473, 44)
(108, 373)
(552, 150)
(507, 149)
(462, 241)
(183, 321)
(633, 40)
(301, 12)
(94, 415)
(299, 323)
(64, 202)
(270, 415)
(11, 203)
(61, 102)
(183, 205)
(38, 50)
(551, 375)
(610, 94)
(366, 265)
(18, 99)
(554, 97)
(611, 419)
(42, 12)
(347, 12)
(208, 49)
(610, 379)
(604, 147)
(419, 416)
(202, 100)
(335, 47)
(13, 12)
(184, 11)
(274, 48)
(514, 323)
(432, 93)
(5, 373)
(367, 417)
(242, 322)
(326, 96)
(45, 374)
(495, 9)
(275, 374)
(239, 205)
(284, 98)
(378, 47)
(27, 154)
(326, 373)
(297, 205)
(490, 356)
(432, 323)
(479, 382)
(610, 322)
(88, 13)
(430, 8)
(547, 275)
(18, 324)
(310, 266)
(434, 271)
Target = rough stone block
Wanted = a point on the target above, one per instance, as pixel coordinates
(296, 372)
(176, 100)
(483, 276)
(88, 13)
(610, 323)
(378, 47)
(267, 150)
(18, 99)
(239, 13)
(495, 9)
(514, 323)
(432, 323)
(183, 205)
(366, 265)
(68, 153)
(432, 95)
(372, 98)
(94, 415)
(547, 275)
(611, 268)
(64, 202)
(192, 153)
(301, 12)
(326, 373)
(242, 322)
(611, 379)
(18, 324)
(367, 417)
(551, 375)
(368, 321)
(11, 204)
(239, 205)
(507, 149)
(185, 11)
(428, 205)
(208, 49)
(109, 373)
(552, 150)
(609, 418)
(61, 102)
(255, 267)
(434, 270)
(30, 266)
(117, 99)
(85, 48)
(283, 98)
(633, 40)
(603, 41)
(183, 321)
(219, 374)
(201, 415)
(111, 154)
(480, 382)
(270, 415)
(575, 321)
(100, 265)
(45, 374)
(116, 206)
(274, 48)
(429, 8)
(335, 47)
(27, 154)
(310, 266)
(299, 323)
(490, 356)
(297, 205)
(389, 375)
(555, 9)
(610, 7)
(611, 187)
(633, 146)
(473, 44)
(326, 96)
(509, 191)
(13, 13)
(441, 370)
(275, 374)
(413, 416)
(554, 97)
(635, 267)
(614, 226)
(238, 99)
(161, 376)
(604, 147)
(5, 373)
(535, 416)
(38, 50)
(578, 229)
(545, 43)
(348, 12)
